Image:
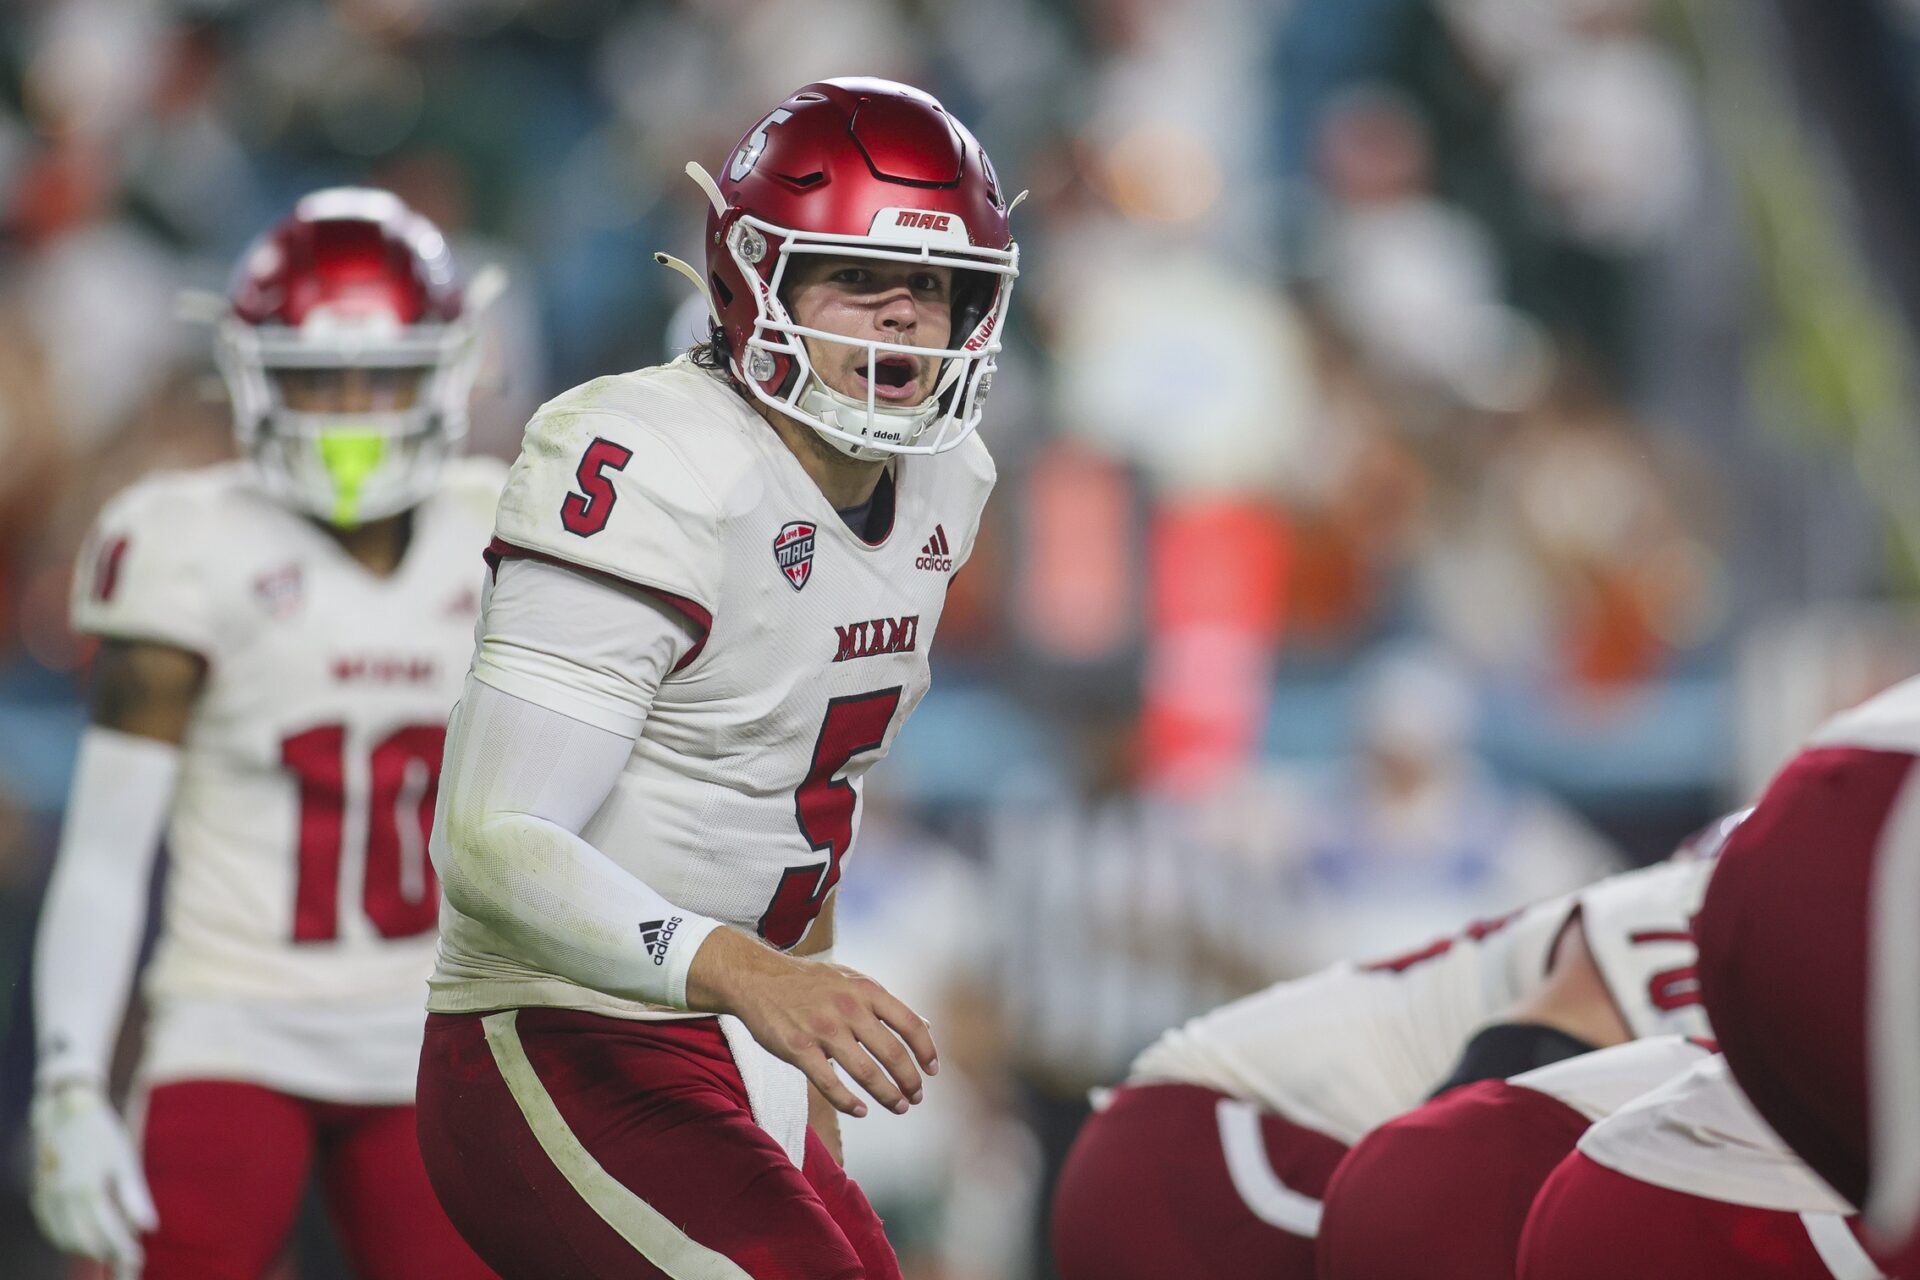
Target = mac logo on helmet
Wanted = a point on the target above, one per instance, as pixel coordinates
(922, 219)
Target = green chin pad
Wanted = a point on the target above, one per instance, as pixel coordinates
(350, 457)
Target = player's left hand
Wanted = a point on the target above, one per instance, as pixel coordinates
(816, 1016)
(89, 1195)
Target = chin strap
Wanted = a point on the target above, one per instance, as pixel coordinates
(705, 182)
(672, 263)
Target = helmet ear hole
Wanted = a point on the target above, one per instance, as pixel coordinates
(973, 295)
(720, 289)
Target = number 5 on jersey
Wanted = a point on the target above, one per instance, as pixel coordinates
(586, 513)
(823, 805)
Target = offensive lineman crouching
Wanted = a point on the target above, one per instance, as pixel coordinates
(655, 770)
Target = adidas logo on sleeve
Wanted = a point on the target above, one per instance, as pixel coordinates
(656, 934)
(937, 554)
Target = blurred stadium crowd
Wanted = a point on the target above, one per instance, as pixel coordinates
(1445, 449)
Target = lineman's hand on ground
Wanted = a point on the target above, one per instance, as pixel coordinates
(88, 1192)
(814, 1015)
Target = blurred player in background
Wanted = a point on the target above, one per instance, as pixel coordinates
(281, 640)
(1217, 1151)
(717, 584)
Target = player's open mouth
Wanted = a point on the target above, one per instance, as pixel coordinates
(895, 377)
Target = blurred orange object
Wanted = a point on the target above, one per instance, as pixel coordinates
(1080, 591)
(1219, 573)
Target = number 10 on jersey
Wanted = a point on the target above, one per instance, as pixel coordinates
(398, 891)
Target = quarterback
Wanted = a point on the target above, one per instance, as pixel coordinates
(715, 586)
(281, 640)
(1218, 1149)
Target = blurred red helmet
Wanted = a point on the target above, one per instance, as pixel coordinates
(351, 280)
(860, 168)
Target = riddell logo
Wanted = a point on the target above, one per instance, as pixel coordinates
(981, 338)
(923, 220)
(936, 555)
(656, 934)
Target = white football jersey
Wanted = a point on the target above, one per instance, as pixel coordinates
(1598, 1084)
(1352, 1046)
(300, 903)
(1697, 1133)
(742, 796)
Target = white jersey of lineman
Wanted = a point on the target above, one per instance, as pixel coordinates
(298, 922)
(742, 795)
(1697, 1133)
(1348, 1048)
(1598, 1084)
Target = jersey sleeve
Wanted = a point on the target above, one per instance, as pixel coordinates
(611, 495)
(585, 646)
(144, 573)
(1346, 1049)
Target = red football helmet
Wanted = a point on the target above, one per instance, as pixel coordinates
(351, 285)
(860, 168)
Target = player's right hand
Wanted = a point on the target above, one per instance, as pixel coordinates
(815, 1014)
(89, 1195)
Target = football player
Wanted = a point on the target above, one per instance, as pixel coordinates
(1444, 1190)
(1216, 1153)
(716, 585)
(1684, 1182)
(281, 639)
(1810, 960)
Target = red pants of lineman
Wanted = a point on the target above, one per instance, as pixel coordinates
(1173, 1180)
(1783, 938)
(1442, 1193)
(1591, 1223)
(568, 1146)
(228, 1163)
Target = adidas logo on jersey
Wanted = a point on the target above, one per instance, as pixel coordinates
(656, 934)
(936, 555)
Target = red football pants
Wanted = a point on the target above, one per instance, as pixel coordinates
(1176, 1180)
(1591, 1223)
(569, 1146)
(228, 1162)
(1442, 1193)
